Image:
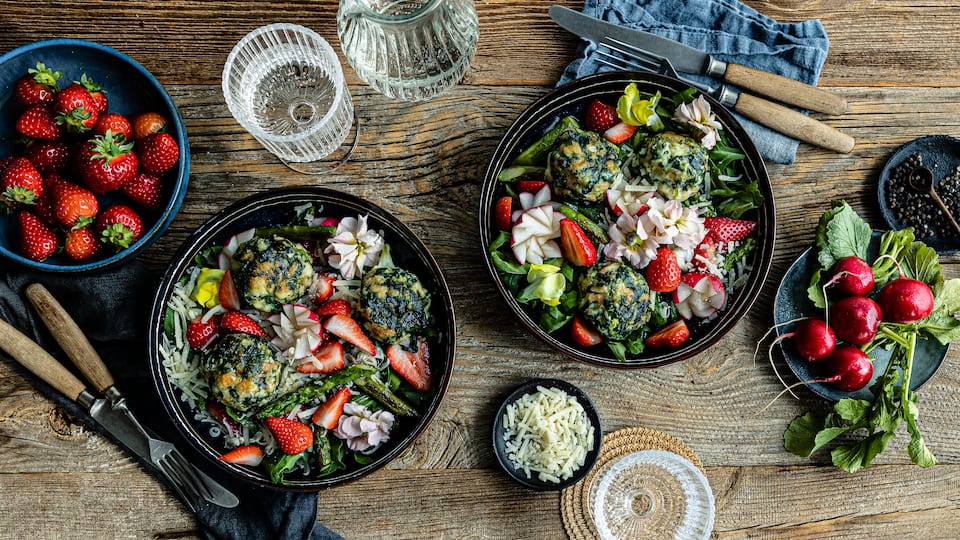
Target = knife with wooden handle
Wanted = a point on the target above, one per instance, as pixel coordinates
(39, 362)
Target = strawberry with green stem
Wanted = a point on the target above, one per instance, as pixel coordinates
(39, 85)
(21, 184)
(97, 93)
(107, 163)
(81, 243)
(76, 109)
(119, 226)
(74, 206)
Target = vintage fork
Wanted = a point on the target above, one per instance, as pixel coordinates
(790, 122)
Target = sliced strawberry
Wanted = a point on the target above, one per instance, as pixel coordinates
(219, 412)
(249, 454)
(414, 367)
(663, 273)
(726, 229)
(619, 133)
(670, 336)
(292, 436)
(705, 253)
(348, 330)
(228, 295)
(200, 333)
(324, 287)
(329, 412)
(334, 307)
(530, 186)
(236, 321)
(600, 116)
(584, 334)
(577, 248)
(329, 358)
(503, 211)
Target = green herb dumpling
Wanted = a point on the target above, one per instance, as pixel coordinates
(583, 165)
(271, 272)
(675, 163)
(615, 299)
(243, 371)
(393, 304)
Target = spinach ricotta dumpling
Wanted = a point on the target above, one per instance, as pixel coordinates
(615, 299)
(583, 165)
(675, 163)
(243, 371)
(271, 272)
(393, 304)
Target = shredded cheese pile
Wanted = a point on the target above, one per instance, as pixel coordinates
(547, 432)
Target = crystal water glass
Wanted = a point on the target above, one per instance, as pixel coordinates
(284, 84)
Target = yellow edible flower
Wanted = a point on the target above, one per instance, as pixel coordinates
(546, 283)
(639, 112)
(207, 291)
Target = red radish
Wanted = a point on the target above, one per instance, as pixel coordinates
(848, 368)
(905, 300)
(851, 276)
(855, 319)
(813, 339)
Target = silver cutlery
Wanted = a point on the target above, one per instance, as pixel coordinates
(110, 411)
(687, 59)
(620, 55)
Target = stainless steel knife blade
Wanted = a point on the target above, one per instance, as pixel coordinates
(690, 60)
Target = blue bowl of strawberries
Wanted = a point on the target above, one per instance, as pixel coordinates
(94, 157)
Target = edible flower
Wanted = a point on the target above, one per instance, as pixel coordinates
(207, 291)
(697, 114)
(354, 247)
(636, 111)
(630, 241)
(363, 429)
(669, 222)
(545, 283)
(534, 234)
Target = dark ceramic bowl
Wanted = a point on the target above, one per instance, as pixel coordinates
(792, 303)
(499, 445)
(572, 99)
(131, 90)
(275, 208)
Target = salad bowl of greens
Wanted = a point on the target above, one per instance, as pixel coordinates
(302, 338)
(627, 220)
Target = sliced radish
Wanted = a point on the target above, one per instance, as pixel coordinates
(624, 196)
(700, 294)
(232, 244)
(297, 330)
(532, 238)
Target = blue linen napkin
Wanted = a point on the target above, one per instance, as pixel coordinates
(729, 30)
(112, 308)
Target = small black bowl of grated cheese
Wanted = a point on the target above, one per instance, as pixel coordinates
(547, 434)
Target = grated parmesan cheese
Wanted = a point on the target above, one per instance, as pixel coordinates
(547, 432)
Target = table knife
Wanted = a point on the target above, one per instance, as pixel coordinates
(690, 60)
(110, 412)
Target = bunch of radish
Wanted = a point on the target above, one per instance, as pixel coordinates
(836, 342)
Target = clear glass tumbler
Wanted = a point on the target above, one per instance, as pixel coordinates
(284, 84)
(410, 50)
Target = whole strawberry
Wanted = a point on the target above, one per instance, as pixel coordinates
(20, 184)
(106, 163)
(97, 92)
(600, 116)
(147, 123)
(663, 273)
(76, 109)
(48, 156)
(158, 153)
(39, 122)
(116, 123)
(39, 85)
(80, 244)
(292, 436)
(145, 190)
(37, 239)
(73, 205)
(119, 226)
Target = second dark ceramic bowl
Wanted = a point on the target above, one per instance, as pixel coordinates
(572, 99)
(279, 207)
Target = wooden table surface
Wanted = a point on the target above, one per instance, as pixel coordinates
(896, 63)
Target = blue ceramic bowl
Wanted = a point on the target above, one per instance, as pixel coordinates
(131, 90)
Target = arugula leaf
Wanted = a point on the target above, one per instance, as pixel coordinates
(618, 349)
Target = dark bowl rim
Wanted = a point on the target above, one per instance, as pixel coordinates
(586, 87)
(231, 215)
(183, 169)
(496, 433)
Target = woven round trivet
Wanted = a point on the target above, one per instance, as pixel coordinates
(575, 500)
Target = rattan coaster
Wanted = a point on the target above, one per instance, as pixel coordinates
(575, 500)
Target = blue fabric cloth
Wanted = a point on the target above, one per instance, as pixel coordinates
(729, 30)
(112, 308)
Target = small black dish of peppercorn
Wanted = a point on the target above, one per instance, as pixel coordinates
(904, 206)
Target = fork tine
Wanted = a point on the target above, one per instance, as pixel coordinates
(178, 485)
(638, 57)
(177, 462)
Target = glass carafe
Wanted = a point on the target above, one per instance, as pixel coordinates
(408, 49)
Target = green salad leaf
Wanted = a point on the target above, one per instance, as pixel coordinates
(841, 233)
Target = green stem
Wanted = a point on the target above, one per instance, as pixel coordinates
(907, 367)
